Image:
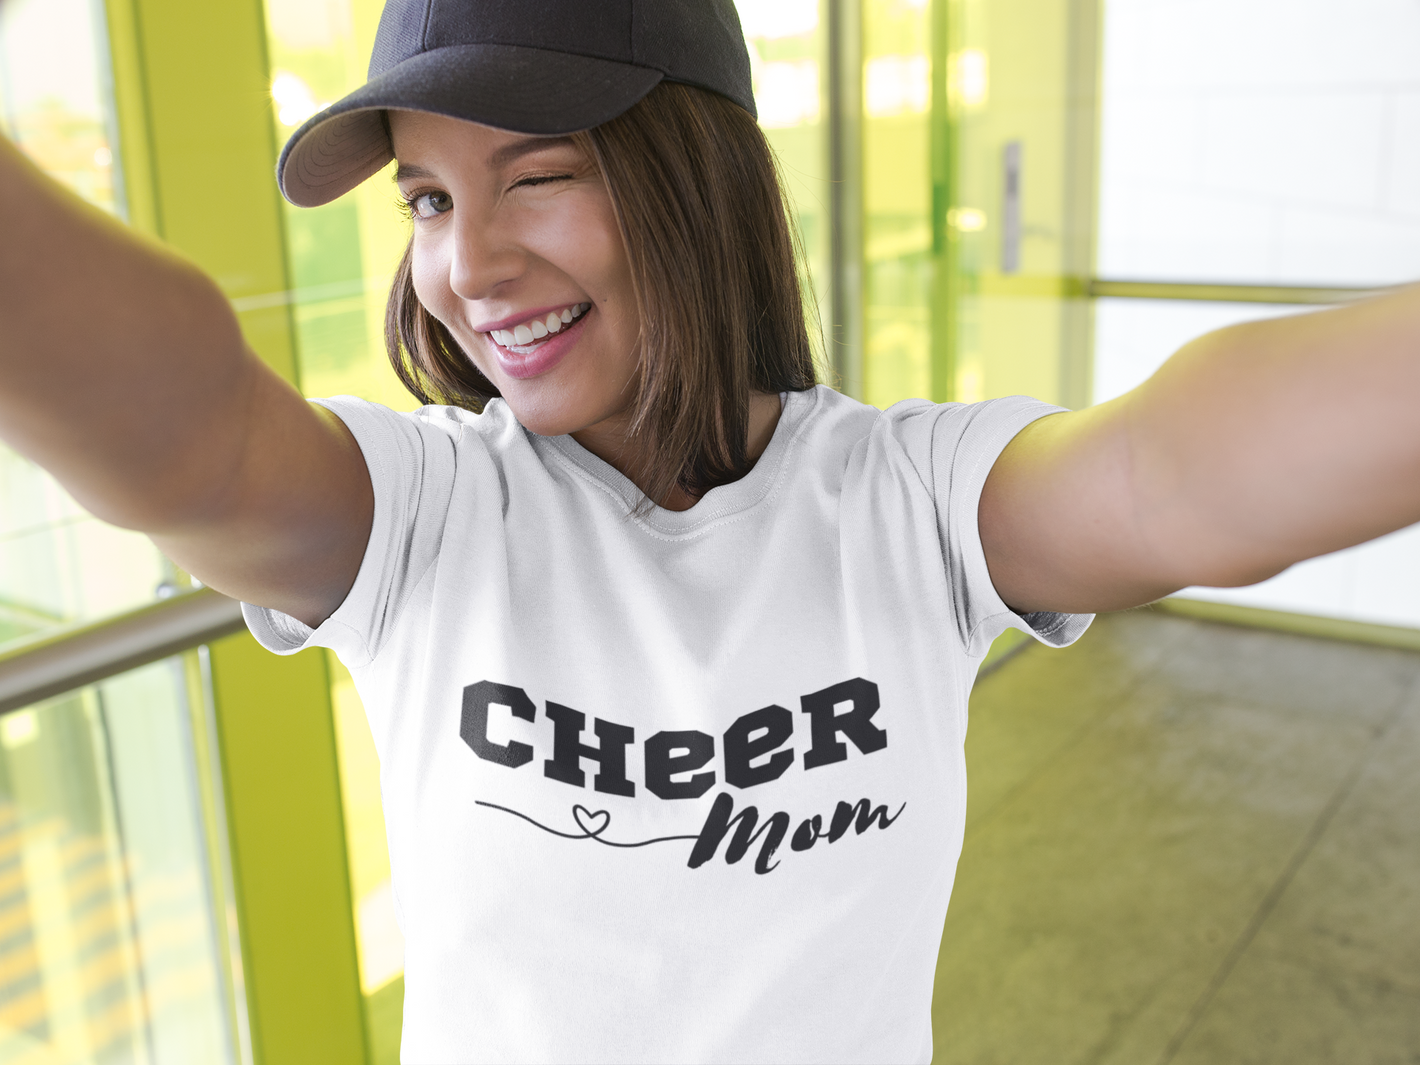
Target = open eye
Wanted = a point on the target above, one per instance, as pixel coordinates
(429, 204)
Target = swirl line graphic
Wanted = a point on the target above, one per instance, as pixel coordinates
(586, 820)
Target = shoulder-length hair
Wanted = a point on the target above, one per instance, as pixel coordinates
(704, 219)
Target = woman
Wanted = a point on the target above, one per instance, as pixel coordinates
(666, 651)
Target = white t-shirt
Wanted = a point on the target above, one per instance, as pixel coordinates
(683, 786)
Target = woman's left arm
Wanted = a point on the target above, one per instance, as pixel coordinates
(1251, 449)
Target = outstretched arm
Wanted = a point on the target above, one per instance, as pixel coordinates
(123, 372)
(1251, 449)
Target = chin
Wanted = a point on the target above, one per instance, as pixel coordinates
(547, 418)
(544, 426)
(557, 404)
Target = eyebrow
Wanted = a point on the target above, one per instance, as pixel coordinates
(409, 172)
(509, 152)
(502, 157)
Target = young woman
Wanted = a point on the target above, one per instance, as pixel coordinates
(666, 650)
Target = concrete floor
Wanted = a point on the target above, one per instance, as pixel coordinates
(1188, 843)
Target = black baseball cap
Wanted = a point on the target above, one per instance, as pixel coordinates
(530, 66)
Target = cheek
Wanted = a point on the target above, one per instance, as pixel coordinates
(430, 274)
(582, 238)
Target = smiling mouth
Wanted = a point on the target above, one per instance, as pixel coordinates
(526, 337)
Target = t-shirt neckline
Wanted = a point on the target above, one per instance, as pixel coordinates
(721, 501)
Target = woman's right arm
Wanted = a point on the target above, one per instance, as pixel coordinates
(123, 372)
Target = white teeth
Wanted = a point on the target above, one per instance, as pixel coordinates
(537, 328)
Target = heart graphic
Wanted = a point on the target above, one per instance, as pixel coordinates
(593, 823)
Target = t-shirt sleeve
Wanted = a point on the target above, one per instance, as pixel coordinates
(411, 459)
(965, 441)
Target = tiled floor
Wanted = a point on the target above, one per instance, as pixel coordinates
(1188, 843)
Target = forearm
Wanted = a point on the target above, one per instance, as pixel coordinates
(116, 357)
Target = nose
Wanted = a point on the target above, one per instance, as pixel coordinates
(484, 257)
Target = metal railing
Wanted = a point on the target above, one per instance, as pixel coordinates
(1227, 293)
(71, 657)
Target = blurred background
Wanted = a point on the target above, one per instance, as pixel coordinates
(995, 197)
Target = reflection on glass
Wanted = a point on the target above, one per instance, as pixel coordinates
(58, 564)
(110, 950)
(968, 78)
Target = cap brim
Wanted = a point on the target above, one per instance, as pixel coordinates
(525, 90)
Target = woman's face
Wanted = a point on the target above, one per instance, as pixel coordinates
(517, 252)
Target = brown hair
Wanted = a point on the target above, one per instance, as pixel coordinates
(702, 213)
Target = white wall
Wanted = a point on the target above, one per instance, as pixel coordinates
(1261, 141)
